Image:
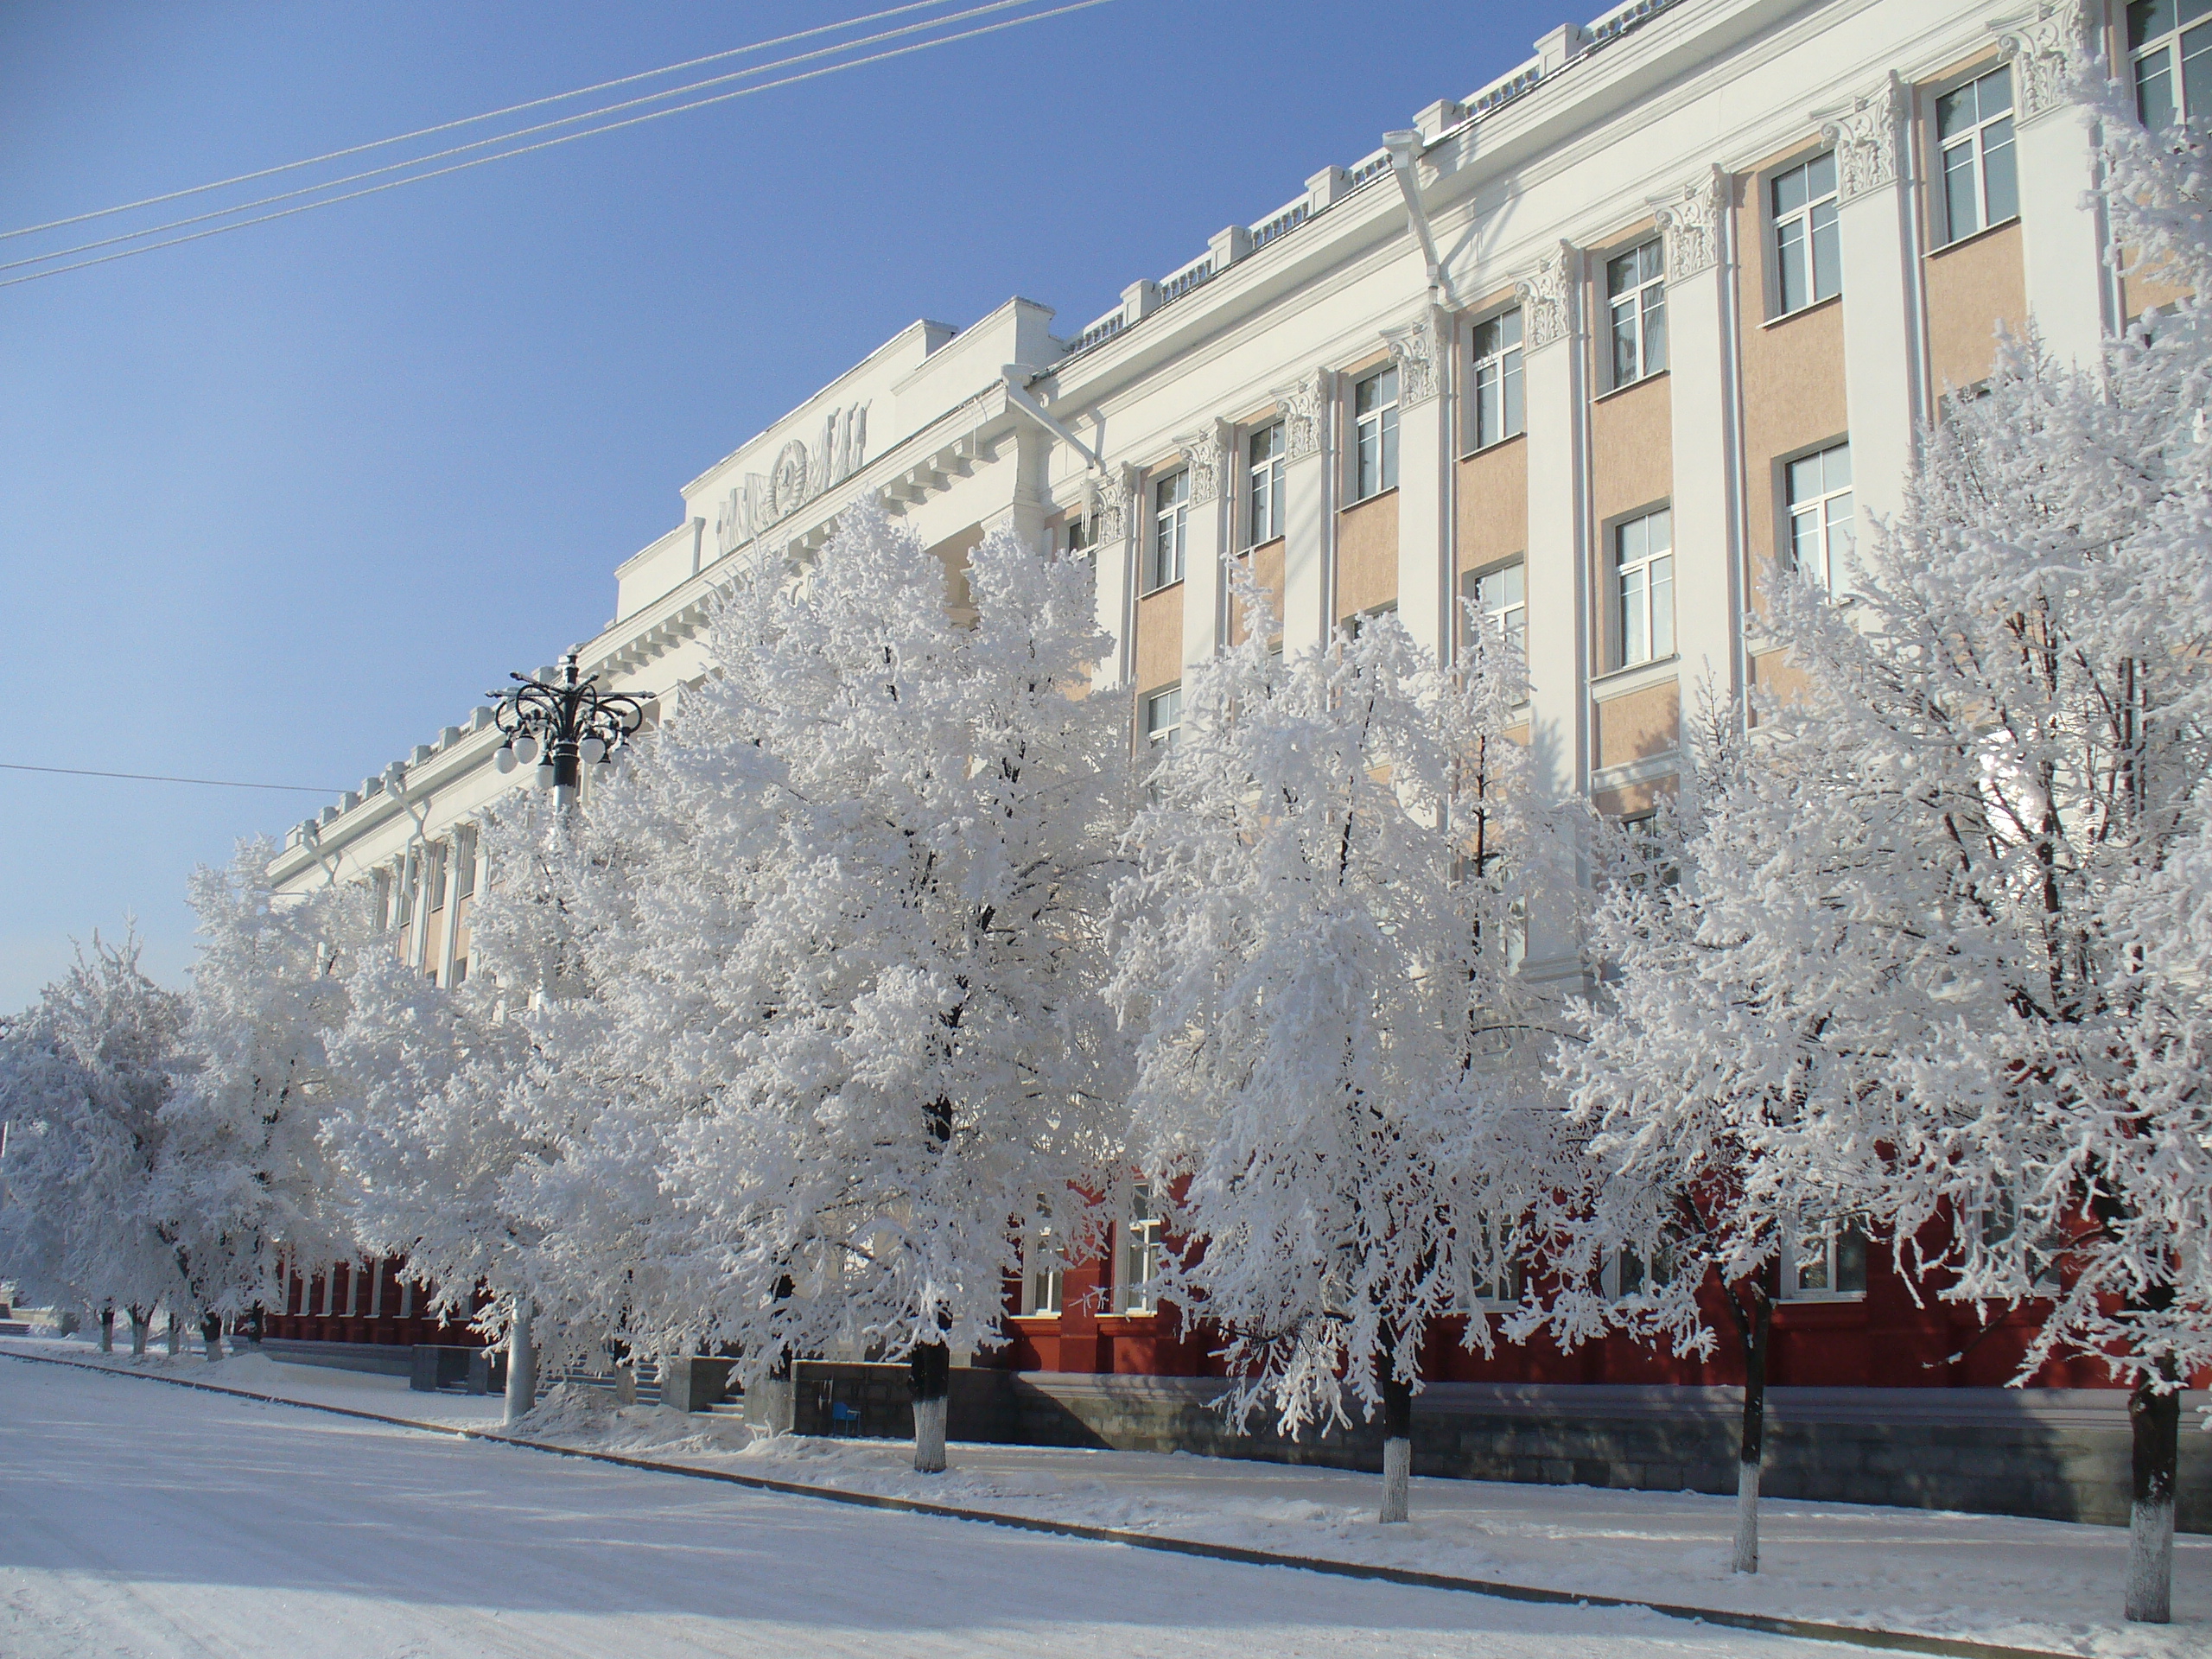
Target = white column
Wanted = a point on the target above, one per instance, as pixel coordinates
(1559, 599)
(2061, 242)
(1205, 453)
(1706, 602)
(1424, 478)
(1883, 348)
(1309, 509)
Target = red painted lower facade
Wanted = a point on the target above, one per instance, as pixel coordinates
(361, 1301)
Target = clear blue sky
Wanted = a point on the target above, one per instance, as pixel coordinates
(279, 504)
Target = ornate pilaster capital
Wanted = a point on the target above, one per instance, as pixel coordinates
(1691, 223)
(1112, 506)
(1416, 350)
(1546, 296)
(1204, 453)
(2045, 55)
(1865, 137)
(1305, 402)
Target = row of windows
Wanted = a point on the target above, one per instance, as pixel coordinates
(437, 873)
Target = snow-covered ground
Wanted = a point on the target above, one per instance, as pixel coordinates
(156, 1524)
(2033, 1584)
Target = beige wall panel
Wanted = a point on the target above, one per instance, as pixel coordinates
(1636, 797)
(1367, 555)
(1633, 448)
(1972, 286)
(1794, 395)
(2144, 290)
(1639, 725)
(1266, 569)
(1774, 676)
(1494, 504)
(1159, 638)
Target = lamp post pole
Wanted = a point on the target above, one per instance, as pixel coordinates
(564, 723)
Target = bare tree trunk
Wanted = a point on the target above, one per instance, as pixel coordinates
(210, 1336)
(1397, 1445)
(930, 1379)
(522, 1365)
(107, 1328)
(2155, 1417)
(1752, 1444)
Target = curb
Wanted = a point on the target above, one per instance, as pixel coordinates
(1762, 1624)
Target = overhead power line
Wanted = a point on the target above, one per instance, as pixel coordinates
(546, 144)
(471, 120)
(160, 778)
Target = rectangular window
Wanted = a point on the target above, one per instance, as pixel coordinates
(1140, 1255)
(1263, 495)
(1042, 1283)
(1077, 538)
(1635, 289)
(1502, 595)
(1821, 541)
(1643, 589)
(1973, 130)
(1171, 528)
(464, 861)
(1497, 378)
(1375, 435)
(434, 876)
(1808, 246)
(402, 892)
(1632, 1275)
(1829, 1264)
(1163, 717)
(2173, 61)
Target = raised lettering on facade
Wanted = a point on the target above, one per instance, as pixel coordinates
(797, 476)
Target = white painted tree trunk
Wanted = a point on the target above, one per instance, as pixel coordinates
(771, 1404)
(1397, 1478)
(2151, 1561)
(177, 1336)
(1747, 1518)
(214, 1346)
(928, 1436)
(107, 1331)
(140, 1324)
(625, 1383)
(522, 1365)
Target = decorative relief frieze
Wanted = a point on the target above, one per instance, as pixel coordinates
(1204, 453)
(798, 475)
(1304, 404)
(1546, 296)
(2045, 55)
(1413, 348)
(1692, 225)
(1865, 140)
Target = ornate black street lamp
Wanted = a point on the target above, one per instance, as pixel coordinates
(563, 724)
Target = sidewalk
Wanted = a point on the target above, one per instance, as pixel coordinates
(2038, 1584)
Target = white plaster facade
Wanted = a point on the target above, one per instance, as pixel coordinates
(1665, 118)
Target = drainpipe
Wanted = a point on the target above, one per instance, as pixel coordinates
(1017, 393)
(1405, 148)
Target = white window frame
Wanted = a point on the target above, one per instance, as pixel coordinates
(1509, 610)
(1818, 520)
(1044, 1284)
(1642, 639)
(1498, 406)
(1137, 1261)
(1635, 303)
(1617, 1281)
(464, 863)
(1266, 493)
(1831, 1249)
(1967, 154)
(1812, 227)
(2168, 51)
(1159, 734)
(1170, 529)
(1374, 434)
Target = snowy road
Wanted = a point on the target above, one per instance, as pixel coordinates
(143, 1520)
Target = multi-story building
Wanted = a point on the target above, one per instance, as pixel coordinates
(1595, 346)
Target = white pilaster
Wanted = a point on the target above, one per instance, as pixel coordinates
(1205, 453)
(1309, 509)
(1424, 476)
(2061, 240)
(1704, 479)
(1113, 532)
(1882, 346)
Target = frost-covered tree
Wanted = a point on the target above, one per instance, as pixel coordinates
(84, 1074)
(902, 1052)
(244, 1180)
(1940, 934)
(1334, 1104)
